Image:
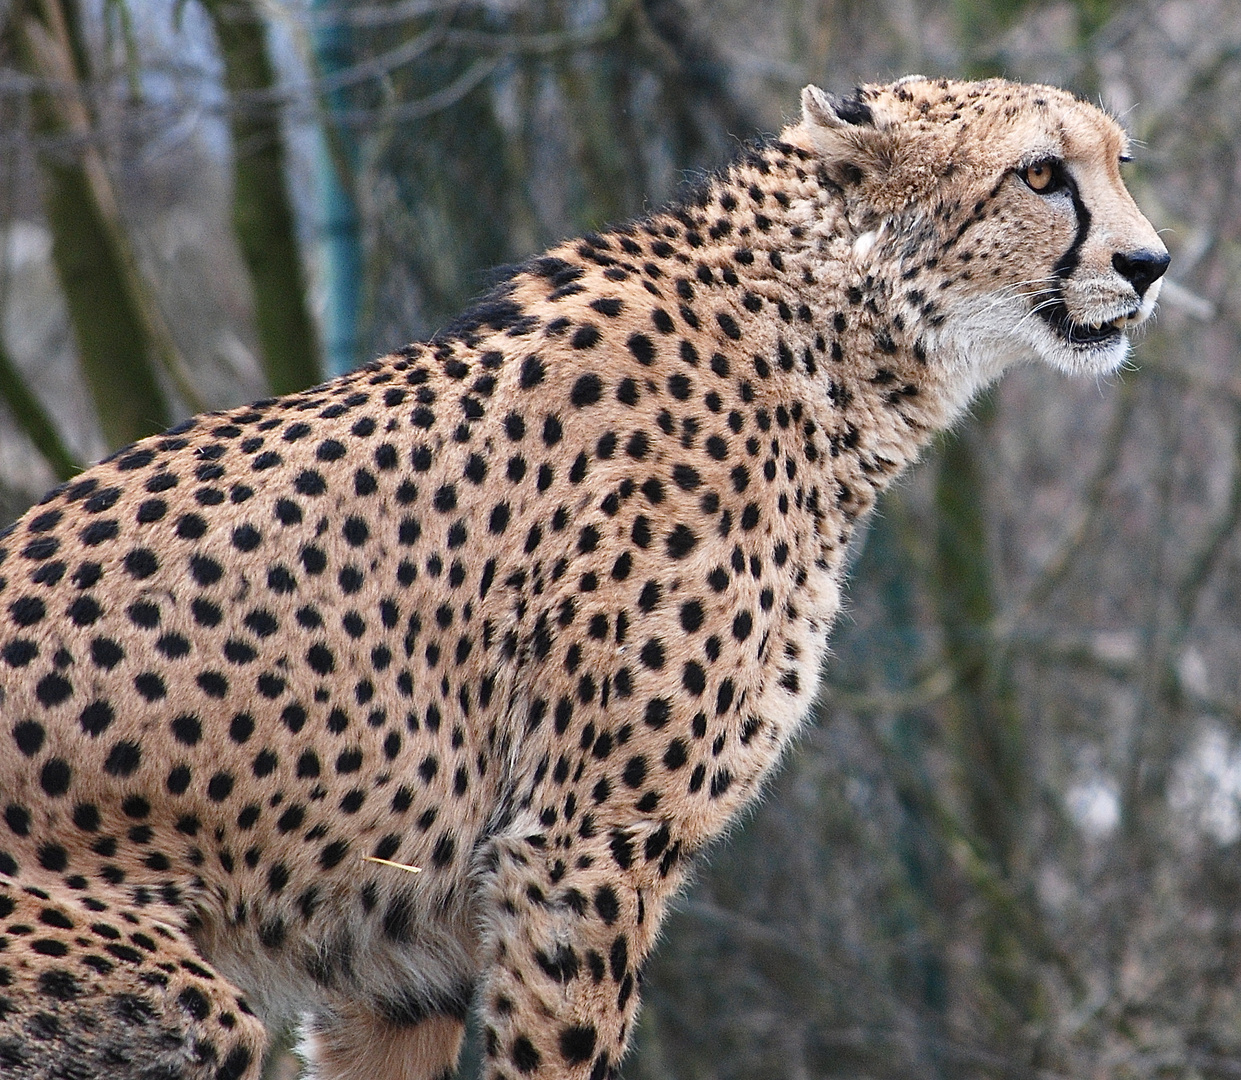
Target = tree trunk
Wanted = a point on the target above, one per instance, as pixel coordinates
(262, 213)
(97, 271)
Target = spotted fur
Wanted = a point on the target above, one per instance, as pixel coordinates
(534, 606)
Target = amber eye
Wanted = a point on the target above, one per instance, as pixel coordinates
(1041, 176)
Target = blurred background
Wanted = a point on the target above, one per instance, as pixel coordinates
(1010, 844)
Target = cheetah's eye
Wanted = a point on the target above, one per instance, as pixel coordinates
(1043, 176)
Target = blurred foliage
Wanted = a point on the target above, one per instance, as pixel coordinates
(1010, 846)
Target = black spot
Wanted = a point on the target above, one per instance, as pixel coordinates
(55, 776)
(96, 718)
(320, 659)
(99, 532)
(355, 531)
(123, 759)
(607, 906)
(635, 772)
(675, 756)
(642, 348)
(681, 541)
(333, 854)
(19, 652)
(398, 919)
(446, 498)
(191, 526)
(85, 611)
(443, 853)
(587, 390)
(607, 305)
(58, 984)
(246, 538)
(524, 1055)
(271, 933)
(150, 686)
(18, 819)
(52, 689)
(658, 712)
(309, 482)
(648, 598)
(330, 450)
(618, 960)
(27, 610)
(577, 1044)
(586, 336)
(205, 571)
(29, 736)
(532, 372)
(693, 678)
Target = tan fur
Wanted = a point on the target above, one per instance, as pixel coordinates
(357, 1045)
(534, 606)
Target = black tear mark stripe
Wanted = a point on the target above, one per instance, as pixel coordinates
(1056, 312)
(1068, 262)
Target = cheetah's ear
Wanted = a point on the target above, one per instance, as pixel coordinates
(820, 109)
(843, 130)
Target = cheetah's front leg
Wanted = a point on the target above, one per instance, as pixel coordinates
(568, 933)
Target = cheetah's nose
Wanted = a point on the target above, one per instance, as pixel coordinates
(1141, 268)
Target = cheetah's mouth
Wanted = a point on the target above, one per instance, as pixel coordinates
(1087, 335)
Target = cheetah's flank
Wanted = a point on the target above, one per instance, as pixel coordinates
(531, 608)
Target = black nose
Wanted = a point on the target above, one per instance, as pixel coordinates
(1141, 268)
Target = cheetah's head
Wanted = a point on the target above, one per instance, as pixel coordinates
(1004, 204)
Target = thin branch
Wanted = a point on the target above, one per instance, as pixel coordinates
(441, 100)
(931, 688)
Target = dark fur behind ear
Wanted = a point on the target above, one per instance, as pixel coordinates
(853, 110)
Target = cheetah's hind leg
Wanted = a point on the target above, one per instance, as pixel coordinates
(95, 989)
(353, 1043)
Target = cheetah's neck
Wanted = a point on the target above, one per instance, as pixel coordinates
(832, 337)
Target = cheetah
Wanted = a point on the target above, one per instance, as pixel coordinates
(419, 691)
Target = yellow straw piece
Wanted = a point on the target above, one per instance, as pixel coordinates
(397, 865)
